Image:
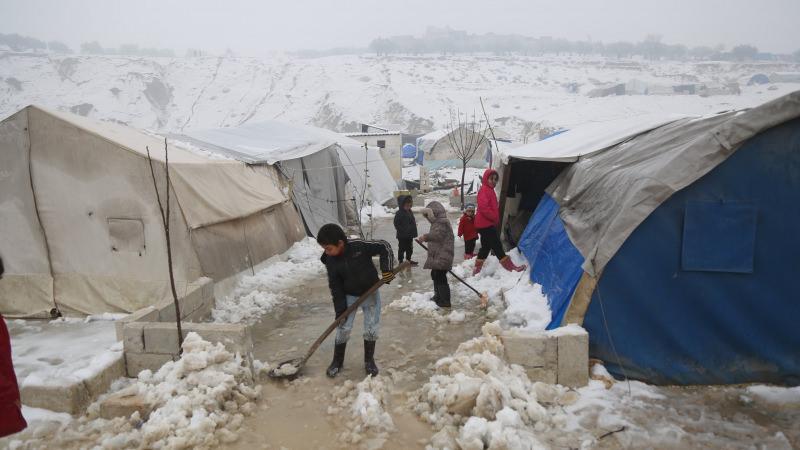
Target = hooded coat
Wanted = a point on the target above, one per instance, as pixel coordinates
(404, 221)
(488, 213)
(440, 239)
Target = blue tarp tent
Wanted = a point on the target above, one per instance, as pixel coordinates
(677, 248)
(409, 151)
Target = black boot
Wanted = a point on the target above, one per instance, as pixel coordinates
(369, 358)
(444, 295)
(338, 360)
(435, 297)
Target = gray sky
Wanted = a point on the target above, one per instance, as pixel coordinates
(257, 27)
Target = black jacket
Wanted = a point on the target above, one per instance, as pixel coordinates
(352, 272)
(404, 221)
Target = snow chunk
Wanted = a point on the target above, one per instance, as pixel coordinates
(365, 405)
(775, 395)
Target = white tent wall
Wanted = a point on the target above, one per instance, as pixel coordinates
(98, 208)
(366, 168)
(27, 286)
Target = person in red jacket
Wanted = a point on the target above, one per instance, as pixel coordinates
(11, 420)
(487, 221)
(467, 230)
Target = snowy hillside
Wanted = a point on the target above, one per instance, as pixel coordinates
(523, 94)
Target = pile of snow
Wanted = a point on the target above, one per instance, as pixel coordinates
(363, 406)
(774, 395)
(422, 304)
(258, 294)
(62, 352)
(376, 211)
(198, 401)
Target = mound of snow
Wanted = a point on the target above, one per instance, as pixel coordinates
(363, 406)
(258, 294)
(775, 395)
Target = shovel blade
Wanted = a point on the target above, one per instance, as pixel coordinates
(288, 370)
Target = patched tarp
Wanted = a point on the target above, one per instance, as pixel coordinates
(605, 196)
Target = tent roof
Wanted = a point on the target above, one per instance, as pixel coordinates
(603, 198)
(209, 190)
(587, 139)
(271, 141)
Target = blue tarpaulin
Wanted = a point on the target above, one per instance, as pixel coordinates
(555, 262)
(704, 290)
(409, 151)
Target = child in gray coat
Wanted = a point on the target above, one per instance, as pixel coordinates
(441, 249)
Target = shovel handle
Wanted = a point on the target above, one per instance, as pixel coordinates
(401, 267)
(451, 272)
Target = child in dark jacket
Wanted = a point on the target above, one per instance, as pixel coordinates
(440, 251)
(350, 274)
(406, 226)
(466, 228)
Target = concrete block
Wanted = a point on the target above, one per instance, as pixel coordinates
(99, 384)
(543, 374)
(202, 313)
(71, 399)
(133, 337)
(166, 311)
(235, 337)
(161, 337)
(137, 362)
(573, 359)
(146, 314)
(531, 351)
(124, 404)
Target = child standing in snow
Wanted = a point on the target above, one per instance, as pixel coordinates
(487, 221)
(406, 226)
(350, 274)
(466, 228)
(440, 251)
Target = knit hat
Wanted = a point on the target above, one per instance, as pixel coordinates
(469, 206)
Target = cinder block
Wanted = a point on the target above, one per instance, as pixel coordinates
(146, 314)
(137, 362)
(100, 383)
(543, 374)
(235, 337)
(166, 311)
(133, 337)
(202, 313)
(124, 404)
(531, 351)
(573, 359)
(161, 337)
(70, 399)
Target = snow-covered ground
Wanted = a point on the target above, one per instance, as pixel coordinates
(62, 352)
(523, 95)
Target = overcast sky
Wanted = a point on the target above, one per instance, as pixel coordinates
(257, 27)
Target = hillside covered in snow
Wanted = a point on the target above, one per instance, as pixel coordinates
(524, 95)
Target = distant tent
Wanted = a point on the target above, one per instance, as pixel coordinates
(327, 170)
(674, 245)
(438, 147)
(409, 151)
(81, 229)
(758, 78)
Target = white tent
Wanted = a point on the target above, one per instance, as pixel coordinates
(438, 145)
(81, 229)
(319, 163)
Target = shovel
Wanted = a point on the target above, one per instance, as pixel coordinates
(483, 296)
(290, 369)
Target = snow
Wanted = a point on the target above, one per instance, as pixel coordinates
(364, 405)
(286, 370)
(411, 173)
(775, 395)
(422, 304)
(376, 211)
(36, 415)
(198, 401)
(259, 294)
(62, 352)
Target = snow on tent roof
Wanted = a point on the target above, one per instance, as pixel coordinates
(587, 139)
(272, 141)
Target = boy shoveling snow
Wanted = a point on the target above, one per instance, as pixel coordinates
(350, 274)
(440, 251)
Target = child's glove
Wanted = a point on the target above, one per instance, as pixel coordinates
(387, 277)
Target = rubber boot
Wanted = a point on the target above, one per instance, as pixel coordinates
(478, 266)
(338, 360)
(509, 265)
(369, 358)
(444, 295)
(468, 256)
(435, 297)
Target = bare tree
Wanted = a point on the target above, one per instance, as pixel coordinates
(165, 223)
(465, 138)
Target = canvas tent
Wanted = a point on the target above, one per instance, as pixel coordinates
(81, 227)
(327, 170)
(437, 146)
(676, 246)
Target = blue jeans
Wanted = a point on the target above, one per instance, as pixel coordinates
(372, 319)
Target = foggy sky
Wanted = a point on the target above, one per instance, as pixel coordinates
(258, 27)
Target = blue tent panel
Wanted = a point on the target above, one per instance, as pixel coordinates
(721, 326)
(555, 262)
(409, 151)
